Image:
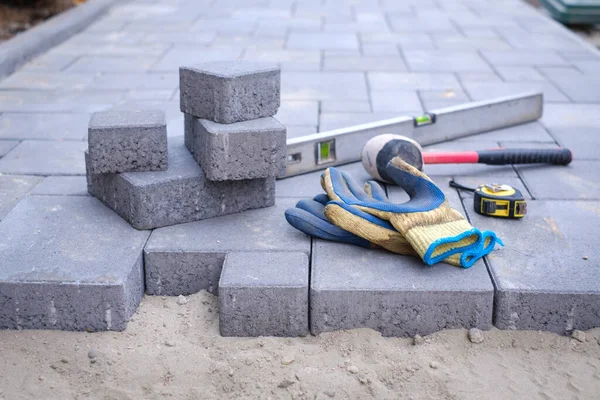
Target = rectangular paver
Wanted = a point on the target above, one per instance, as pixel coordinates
(13, 188)
(546, 276)
(43, 126)
(42, 157)
(577, 181)
(445, 61)
(323, 85)
(391, 81)
(230, 91)
(6, 146)
(264, 294)
(127, 141)
(184, 259)
(62, 186)
(57, 274)
(180, 194)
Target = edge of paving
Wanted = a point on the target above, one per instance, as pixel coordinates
(27, 45)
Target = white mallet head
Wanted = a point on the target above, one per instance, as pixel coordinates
(381, 149)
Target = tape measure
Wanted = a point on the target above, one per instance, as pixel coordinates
(496, 200)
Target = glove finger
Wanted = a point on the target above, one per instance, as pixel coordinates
(321, 198)
(313, 207)
(336, 186)
(367, 226)
(313, 226)
(419, 187)
(374, 189)
(358, 191)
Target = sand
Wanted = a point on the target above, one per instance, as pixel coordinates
(173, 350)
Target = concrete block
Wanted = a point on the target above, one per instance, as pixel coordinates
(547, 274)
(396, 295)
(56, 274)
(186, 258)
(62, 186)
(181, 194)
(230, 91)
(127, 141)
(242, 150)
(13, 188)
(44, 157)
(576, 181)
(264, 294)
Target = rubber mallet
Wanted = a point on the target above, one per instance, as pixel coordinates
(381, 149)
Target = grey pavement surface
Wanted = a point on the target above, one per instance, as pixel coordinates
(345, 62)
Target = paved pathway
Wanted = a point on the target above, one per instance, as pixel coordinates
(346, 62)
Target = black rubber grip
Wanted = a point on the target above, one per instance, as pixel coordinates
(525, 156)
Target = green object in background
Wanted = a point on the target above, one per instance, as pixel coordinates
(574, 11)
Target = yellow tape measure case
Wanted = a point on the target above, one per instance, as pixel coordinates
(497, 200)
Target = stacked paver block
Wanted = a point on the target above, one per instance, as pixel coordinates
(229, 127)
(127, 141)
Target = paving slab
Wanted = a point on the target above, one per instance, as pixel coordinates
(95, 64)
(579, 88)
(392, 81)
(298, 113)
(583, 141)
(42, 157)
(7, 145)
(577, 181)
(43, 126)
(186, 258)
(330, 121)
(529, 132)
(62, 186)
(323, 86)
(396, 295)
(56, 274)
(357, 63)
(180, 194)
(13, 188)
(189, 55)
(127, 141)
(546, 276)
(242, 150)
(521, 57)
(264, 294)
(401, 102)
(490, 90)
(445, 61)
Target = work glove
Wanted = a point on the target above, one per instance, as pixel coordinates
(309, 217)
(435, 231)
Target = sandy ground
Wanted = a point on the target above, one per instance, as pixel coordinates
(175, 351)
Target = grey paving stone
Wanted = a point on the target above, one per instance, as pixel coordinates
(147, 81)
(49, 63)
(111, 50)
(445, 61)
(407, 40)
(343, 120)
(444, 95)
(541, 41)
(294, 131)
(478, 77)
(228, 26)
(156, 95)
(190, 55)
(43, 126)
(519, 74)
(288, 60)
(181, 194)
(523, 58)
(186, 258)
(13, 189)
(380, 49)
(42, 157)
(95, 64)
(62, 186)
(46, 81)
(196, 38)
(583, 89)
(230, 91)
(322, 40)
(298, 113)
(264, 294)
(356, 26)
(323, 86)
(584, 142)
(106, 37)
(477, 170)
(578, 55)
(571, 115)
(590, 67)
(345, 106)
(434, 105)
(309, 185)
(406, 102)
(242, 150)
(350, 63)
(56, 274)
(396, 295)
(490, 90)
(425, 25)
(390, 81)
(577, 181)
(127, 141)
(6, 146)
(534, 274)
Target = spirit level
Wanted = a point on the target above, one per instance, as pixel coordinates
(341, 146)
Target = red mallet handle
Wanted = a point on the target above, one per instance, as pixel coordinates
(501, 157)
